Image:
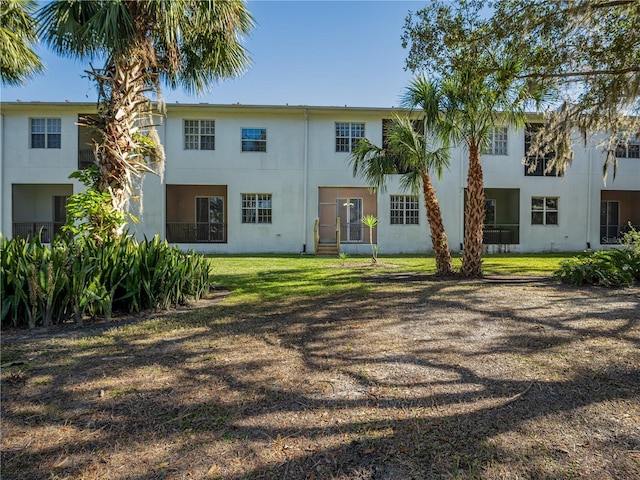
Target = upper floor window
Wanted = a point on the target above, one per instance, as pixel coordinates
(629, 148)
(254, 139)
(348, 135)
(536, 166)
(46, 132)
(404, 210)
(256, 208)
(497, 142)
(199, 135)
(544, 210)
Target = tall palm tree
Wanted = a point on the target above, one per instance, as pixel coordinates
(464, 107)
(407, 151)
(18, 33)
(145, 43)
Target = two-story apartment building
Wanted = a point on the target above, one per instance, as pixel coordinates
(241, 179)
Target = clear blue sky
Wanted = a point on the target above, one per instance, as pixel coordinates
(304, 53)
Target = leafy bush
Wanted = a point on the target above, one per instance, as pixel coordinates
(605, 267)
(48, 285)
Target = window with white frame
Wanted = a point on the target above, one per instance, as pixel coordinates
(256, 208)
(199, 135)
(254, 139)
(405, 210)
(46, 132)
(544, 210)
(348, 135)
(497, 142)
(629, 147)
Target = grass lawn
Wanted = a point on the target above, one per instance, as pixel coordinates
(269, 276)
(324, 368)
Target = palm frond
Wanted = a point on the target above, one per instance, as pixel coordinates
(18, 34)
(85, 30)
(212, 47)
(372, 163)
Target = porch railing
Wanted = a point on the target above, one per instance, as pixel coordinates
(198, 232)
(86, 158)
(501, 234)
(612, 234)
(46, 230)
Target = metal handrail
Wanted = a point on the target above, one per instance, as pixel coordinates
(612, 234)
(338, 234)
(501, 234)
(196, 232)
(45, 230)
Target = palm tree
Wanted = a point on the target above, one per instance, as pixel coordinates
(407, 151)
(146, 43)
(463, 108)
(18, 33)
(370, 221)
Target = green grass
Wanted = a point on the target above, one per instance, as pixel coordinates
(273, 277)
(521, 264)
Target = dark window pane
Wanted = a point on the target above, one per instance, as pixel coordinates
(207, 142)
(537, 203)
(37, 140)
(537, 218)
(53, 140)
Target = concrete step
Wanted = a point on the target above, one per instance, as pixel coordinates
(327, 250)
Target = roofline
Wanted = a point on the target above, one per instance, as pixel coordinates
(228, 106)
(207, 105)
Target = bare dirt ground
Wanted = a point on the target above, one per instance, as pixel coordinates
(416, 379)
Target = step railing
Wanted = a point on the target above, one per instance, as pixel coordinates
(316, 235)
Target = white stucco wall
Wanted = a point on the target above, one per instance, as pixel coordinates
(22, 164)
(301, 158)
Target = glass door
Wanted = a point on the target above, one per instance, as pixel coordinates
(350, 213)
(609, 222)
(210, 219)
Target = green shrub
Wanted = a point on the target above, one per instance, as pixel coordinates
(608, 268)
(48, 285)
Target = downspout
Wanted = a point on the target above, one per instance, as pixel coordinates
(2, 179)
(163, 182)
(589, 199)
(305, 173)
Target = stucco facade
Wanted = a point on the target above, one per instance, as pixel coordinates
(243, 179)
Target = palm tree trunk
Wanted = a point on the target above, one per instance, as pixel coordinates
(124, 115)
(438, 235)
(473, 217)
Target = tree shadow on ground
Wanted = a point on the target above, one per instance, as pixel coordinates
(406, 380)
